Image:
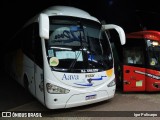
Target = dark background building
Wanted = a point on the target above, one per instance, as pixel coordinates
(121, 12)
(131, 15)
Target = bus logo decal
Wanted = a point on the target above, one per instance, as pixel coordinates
(84, 84)
(89, 75)
(70, 77)
(90, 83)
(148, 75)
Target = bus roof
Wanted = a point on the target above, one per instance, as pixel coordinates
(147, 34)
(68, 11)
(63, 11)
(60, 11)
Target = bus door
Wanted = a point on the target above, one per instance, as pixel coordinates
(153, 63)
(133, 72)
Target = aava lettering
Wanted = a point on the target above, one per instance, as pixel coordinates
(70, 77)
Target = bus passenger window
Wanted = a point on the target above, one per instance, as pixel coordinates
(138, 58)
(37, 46)
(133, 56)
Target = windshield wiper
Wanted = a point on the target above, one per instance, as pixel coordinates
(74, 61)
(100, 59)
(81, 48)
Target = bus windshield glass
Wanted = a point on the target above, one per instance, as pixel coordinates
(77, 45)
(154, 53)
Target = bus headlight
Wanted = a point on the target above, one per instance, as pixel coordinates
(53, 89)
(112, 83)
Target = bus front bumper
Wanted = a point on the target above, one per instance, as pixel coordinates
(81, 99)
(87, 98)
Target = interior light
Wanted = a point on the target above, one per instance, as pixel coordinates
(154, 43)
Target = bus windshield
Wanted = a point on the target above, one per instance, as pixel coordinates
(78, 45)
(154, 53)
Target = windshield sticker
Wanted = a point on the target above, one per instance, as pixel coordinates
(53, 61)
(50, 53)
(69, 55)
(153, 62)
(67, 35)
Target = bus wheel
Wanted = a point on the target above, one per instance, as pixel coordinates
(26, 84)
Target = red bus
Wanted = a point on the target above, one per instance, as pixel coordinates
(141, 62)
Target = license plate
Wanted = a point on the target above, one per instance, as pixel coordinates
(91, 97)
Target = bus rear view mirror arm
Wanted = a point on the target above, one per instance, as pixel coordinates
(44, 26)
(119, 30)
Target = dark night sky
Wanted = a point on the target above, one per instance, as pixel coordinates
(120, 12)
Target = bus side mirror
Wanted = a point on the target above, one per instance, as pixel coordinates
(118, 29)
(44, 26)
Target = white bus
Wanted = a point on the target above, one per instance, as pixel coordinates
(63, 57)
